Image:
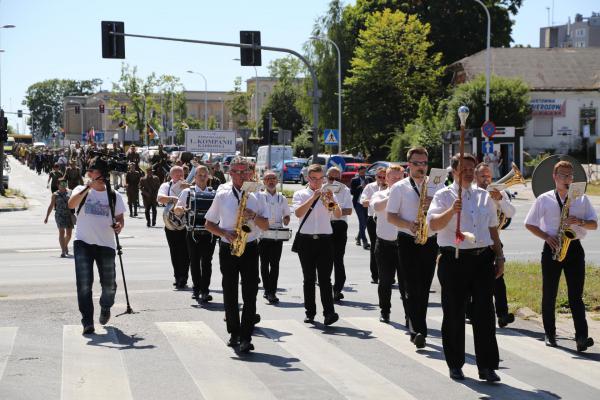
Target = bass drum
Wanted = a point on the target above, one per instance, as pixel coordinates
(542, 180)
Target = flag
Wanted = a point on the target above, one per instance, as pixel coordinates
(123, 125)
(91, 135)
(152, 134)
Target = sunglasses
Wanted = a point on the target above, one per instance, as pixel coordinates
(380, 176)
(419, 163)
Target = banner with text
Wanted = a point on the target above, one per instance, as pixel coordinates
(550, 107)
(199, 141)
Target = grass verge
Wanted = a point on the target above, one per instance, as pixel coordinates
(524, 287)
(593, 189)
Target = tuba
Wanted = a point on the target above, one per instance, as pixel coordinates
(514, 177)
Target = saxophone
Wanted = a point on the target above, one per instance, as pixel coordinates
(565, 234)
(242, 229)
(422, 229)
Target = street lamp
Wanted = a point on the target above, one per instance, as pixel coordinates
(487, 63)
(256, 116)
(339, 60)
(2, 51)
(205, 97)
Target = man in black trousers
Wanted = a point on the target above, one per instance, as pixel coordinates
(357, 184)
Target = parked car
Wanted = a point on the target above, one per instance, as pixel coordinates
(289, 170)
(322, 159)
(226, 161)
(350, 171)
(372, 169)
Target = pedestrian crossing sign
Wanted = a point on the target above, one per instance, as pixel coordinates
(331, 136)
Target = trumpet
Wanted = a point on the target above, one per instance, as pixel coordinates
(327, 197)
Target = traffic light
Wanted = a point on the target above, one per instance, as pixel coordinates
(123, 110)
(77, 109)
(250, 57)
(101, 108)
(113, 46)
(20, 113)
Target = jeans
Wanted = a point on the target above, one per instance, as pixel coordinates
(85, 255)
(361, 213)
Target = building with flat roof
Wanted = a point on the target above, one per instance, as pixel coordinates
(583, 32)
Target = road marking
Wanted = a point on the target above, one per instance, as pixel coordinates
(348, 376)
(209, 362)
(92, 367)
(579, 368)
(7, 341)
(396, 339)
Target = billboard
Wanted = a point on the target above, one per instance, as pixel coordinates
(201, 141)
(550, 107)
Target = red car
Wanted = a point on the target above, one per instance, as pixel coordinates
(350, 172)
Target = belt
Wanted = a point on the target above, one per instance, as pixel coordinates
(338, 221)
(465, 252)
(388, 242)
(315, 236)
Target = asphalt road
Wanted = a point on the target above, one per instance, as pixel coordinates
(173, 347)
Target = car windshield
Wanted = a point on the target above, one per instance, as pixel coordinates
(294, 164)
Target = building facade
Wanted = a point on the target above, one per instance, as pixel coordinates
(583, 32)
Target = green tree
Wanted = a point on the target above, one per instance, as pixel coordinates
(239, 103)
(391, 70)
(509, 102)
(45, 101)
(285, 99)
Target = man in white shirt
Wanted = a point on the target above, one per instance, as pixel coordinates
(472, 274)
(340, 231)
(95, 240)
(200, 242)
(168, 193)
(417, 261)
(365, 198)
(483, 174)
(269, 249)
(386, 246)
(543, 220)
(315, 243)
(357, 185)
(221, 220)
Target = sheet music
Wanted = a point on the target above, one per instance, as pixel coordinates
(437, 176)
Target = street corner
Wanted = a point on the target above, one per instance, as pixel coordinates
(13, 203)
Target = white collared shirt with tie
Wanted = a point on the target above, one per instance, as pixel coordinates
(477, 216)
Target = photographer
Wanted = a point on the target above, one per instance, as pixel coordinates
(95, 241)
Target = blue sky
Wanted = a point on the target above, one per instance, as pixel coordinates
(61, 38)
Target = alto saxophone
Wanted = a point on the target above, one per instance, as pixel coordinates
(242, 229)
(422, 229)
(565, 234)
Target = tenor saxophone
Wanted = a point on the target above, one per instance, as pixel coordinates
(565, 234)
(242, 229)
(422, 229)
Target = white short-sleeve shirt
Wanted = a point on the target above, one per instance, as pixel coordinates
(477, 216)
(367, 193)
(545, 213)
(171, 189)
(345, 202)
(318, 222)
(276, 206)
(384, 229)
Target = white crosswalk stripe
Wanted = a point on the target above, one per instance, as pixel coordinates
(580, 368)
(92, 367)
(209, 363)
(7, 341)
(397, 340)
(353, 381)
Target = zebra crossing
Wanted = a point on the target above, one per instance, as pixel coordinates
(323, 362)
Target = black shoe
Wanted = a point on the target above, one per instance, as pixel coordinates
(358, 242)
(584, 343)
(181, 286)
(367, 246)
(153, 223)
(135, 214)
(550, 340)
(504, 320)
(374, 281)
(489, 375)
(104, 316)
(457, 374)
(88, 330)
(196, 294)
(206, 298)
(233, 341)
(246, 346)
(272, 299)
(337, 296)
(419, 340)
(256, 319)
(331, 319)
(266, 295)
(309, 320)
(384, 317)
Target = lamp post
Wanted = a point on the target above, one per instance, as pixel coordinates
(205, 97)
(2, 51)
(487, 63)
(256, 116)
(339, 62)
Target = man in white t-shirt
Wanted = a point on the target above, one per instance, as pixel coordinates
(95, 241)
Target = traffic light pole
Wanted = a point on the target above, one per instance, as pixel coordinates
(315, 92)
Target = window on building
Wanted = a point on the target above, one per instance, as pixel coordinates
(579, 44)
(542, 126)
(580, 33)
(588, 116)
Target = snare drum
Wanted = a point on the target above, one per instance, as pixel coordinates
(281, 234)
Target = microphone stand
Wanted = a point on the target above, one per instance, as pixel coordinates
(111, 206)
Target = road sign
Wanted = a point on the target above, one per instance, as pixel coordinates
(332, 136)
(336, 161)
(487, 147)
(488, 129)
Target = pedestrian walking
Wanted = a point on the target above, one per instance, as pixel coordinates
(62, 215)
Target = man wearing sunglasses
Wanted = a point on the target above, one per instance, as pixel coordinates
(365, 199)
(543, 220)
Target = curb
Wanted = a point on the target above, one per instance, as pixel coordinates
(22, 207)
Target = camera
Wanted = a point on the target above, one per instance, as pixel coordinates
(107, 164)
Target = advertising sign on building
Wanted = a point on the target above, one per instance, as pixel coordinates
(199, 141)
(549, 107)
